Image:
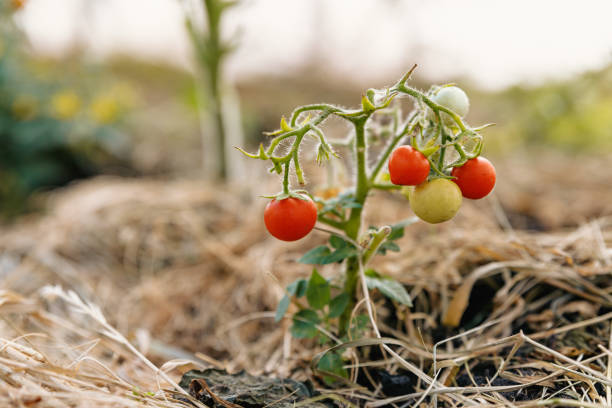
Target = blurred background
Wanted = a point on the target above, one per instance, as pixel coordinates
(146, 87)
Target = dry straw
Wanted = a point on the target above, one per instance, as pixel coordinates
(161, 277)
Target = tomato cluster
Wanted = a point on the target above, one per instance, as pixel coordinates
(439, 199)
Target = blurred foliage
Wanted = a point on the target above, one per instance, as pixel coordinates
(574, 115)
(54, 126)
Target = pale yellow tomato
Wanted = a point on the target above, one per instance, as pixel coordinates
(435, 201)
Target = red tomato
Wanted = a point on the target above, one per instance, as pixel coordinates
(291, 218)
(476, 178)
(408, 166)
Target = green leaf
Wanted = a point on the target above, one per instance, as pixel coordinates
(304, 323)
(339, 255)
(297, 288)
(283, 305)
(351, 205)
(397, 231)
(332, 363)
(338, 304)
(390, 288)
(315, 255)
(388, 246)
(322, 255)
(358, 326)
(318, 291)
(337, 242)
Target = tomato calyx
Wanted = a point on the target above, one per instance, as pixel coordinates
(299, 194)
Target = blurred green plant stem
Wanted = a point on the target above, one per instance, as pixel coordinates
(217, 103)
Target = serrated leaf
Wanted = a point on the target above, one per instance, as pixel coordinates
(315, 255)
(338, 304)
(390, 288)
(283, 305)
(304, 324)
(297, 288)
(331, 362)
(318, 291)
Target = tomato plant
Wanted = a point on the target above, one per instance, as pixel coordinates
(291, 218)
(425, 135)
(476, 178)
(408, 166)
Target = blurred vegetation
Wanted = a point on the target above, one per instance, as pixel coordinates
(55, 124)
(573, 115)
(64, 119)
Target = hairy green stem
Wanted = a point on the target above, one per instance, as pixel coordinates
(330, 222)
(396, 139)
(353, 224)
(286, 178)
(434, 106)
(377, 239)
(325, 108)
(442, 143)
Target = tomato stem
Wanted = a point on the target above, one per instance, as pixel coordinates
(352, 226)
(396, 139)
(286, 178)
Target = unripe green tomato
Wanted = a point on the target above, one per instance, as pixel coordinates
(453, 98)
(436, 201)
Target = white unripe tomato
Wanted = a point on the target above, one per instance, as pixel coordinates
(453, 98)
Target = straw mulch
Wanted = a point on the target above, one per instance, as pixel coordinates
(512, 300)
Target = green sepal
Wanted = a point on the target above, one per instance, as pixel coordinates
(367, 105)
(284, 126)
(430, 150)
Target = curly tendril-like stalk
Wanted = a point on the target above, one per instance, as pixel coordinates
(430, 137)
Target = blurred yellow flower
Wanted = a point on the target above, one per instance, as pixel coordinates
(104, 109)
(65, 104)
(17, 4)
(25, 107)
(124, 94)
